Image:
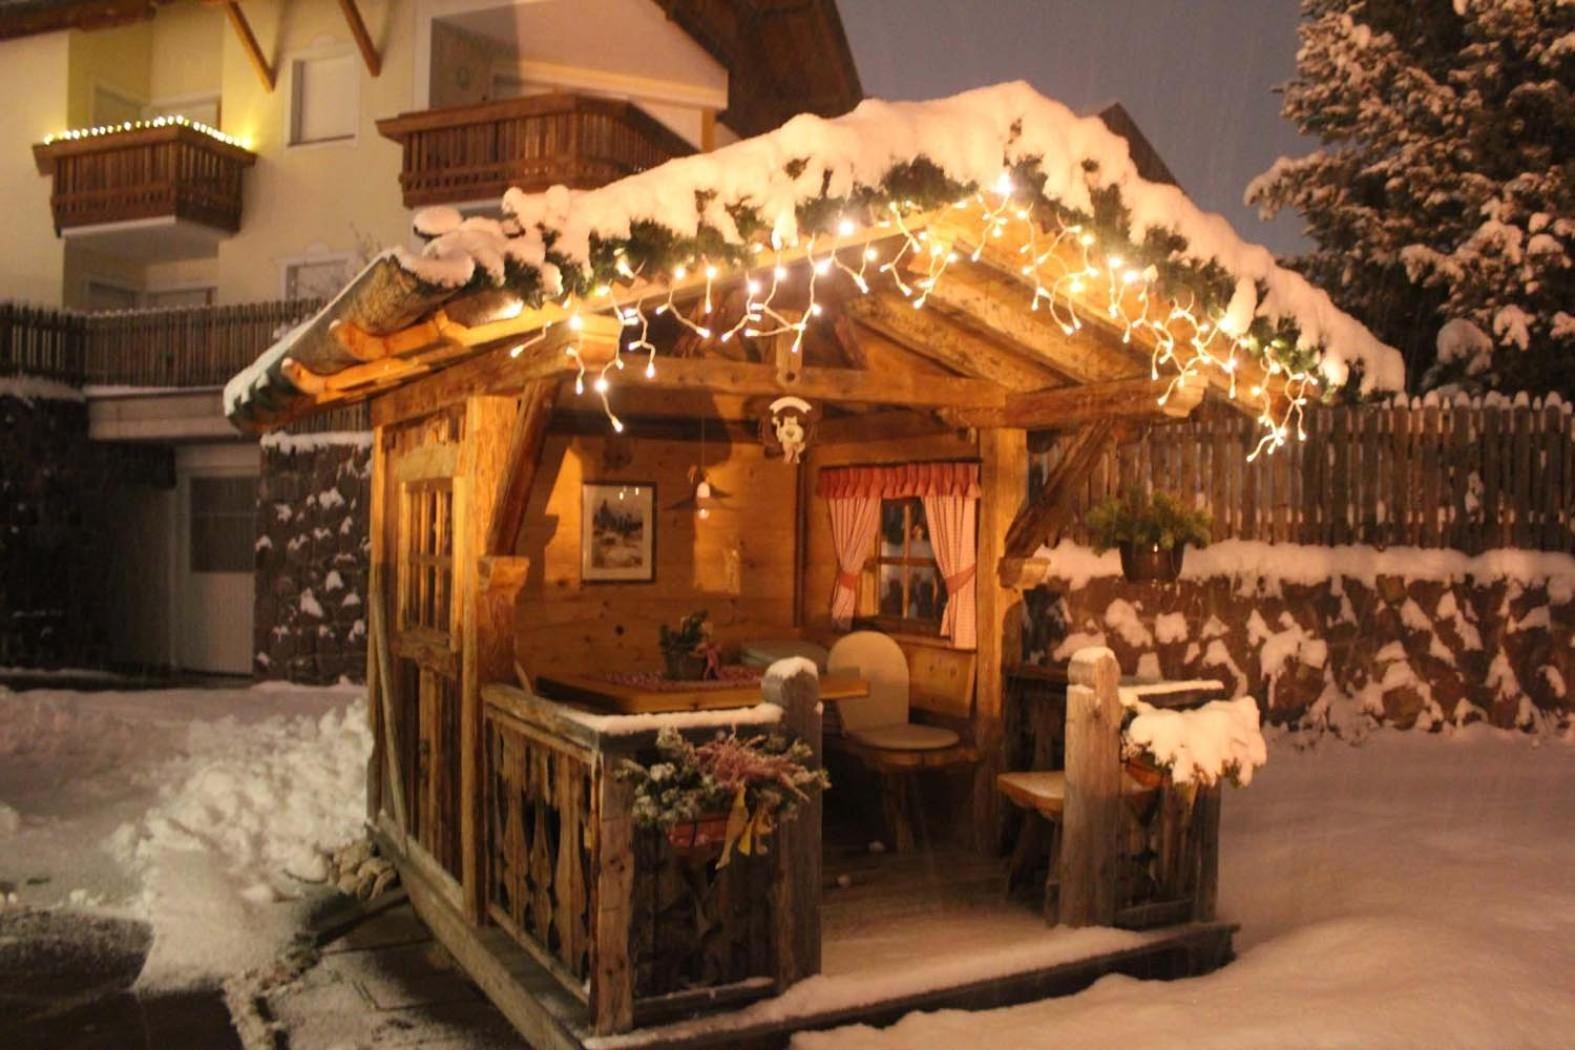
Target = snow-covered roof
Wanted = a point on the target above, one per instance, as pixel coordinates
(784, 187)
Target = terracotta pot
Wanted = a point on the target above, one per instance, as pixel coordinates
(1151, 562)
(685, 667)
(705, 833)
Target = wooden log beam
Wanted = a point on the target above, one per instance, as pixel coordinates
(1091, 822)
(1076, 405)
(796, 915)
(519, 469)
(1046, 516)
(999, 306)
(243, 30)
(363, 39)
(930, 334)
(827, 384)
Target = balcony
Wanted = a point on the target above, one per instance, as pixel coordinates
(474, 153)
(167, 189)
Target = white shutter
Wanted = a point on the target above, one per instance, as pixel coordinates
(326, 98)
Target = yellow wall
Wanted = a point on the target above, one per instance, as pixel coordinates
(31, 260)
(115, 58)
(738, 565)
(187, 54)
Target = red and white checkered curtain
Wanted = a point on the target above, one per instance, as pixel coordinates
(854, 520)
(953, 527)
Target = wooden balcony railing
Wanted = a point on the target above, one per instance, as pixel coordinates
(173, 171)
(466, 153)
(189, 346)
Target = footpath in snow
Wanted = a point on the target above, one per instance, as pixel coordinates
(206, 813)
(1413, 891)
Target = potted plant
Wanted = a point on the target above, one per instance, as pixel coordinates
(1151, 533)
(728, 792)
(687, 649)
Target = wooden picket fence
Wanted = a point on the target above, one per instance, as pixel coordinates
(191, 346)
(1461, 476)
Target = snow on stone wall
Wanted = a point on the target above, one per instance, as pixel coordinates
(1345, 651)
(313, 550)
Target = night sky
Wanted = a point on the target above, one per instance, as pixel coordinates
(1195, 75)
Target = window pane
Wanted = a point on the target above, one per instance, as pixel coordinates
(223, 524)
(891, 599)
(891, 528)
(326, 98)
(919, 533)
(315, 280)
(925, 592)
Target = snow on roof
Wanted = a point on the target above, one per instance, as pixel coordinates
(779, 183)
(971, 137)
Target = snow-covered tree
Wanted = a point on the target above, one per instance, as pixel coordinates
(1442, 196)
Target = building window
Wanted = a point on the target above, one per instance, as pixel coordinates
(911, 593)
(168, 298)
(316, 278)
(223, 523)
(426, 579)
(324, 100)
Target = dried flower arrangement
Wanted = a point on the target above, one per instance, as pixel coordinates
(747, 784)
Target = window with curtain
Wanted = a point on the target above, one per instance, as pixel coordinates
(911, 593)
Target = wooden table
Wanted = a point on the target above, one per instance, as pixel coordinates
(631, 699)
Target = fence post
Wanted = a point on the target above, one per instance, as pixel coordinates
(1091, 818)
(796, 917)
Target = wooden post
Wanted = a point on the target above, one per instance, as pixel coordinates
(612, 978)
(486, 626)
(1207, 830)
(248, 39)
(363, 39)
(1091, 821)
(796, 917)
(1003, 484)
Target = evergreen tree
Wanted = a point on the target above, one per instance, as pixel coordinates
(1444, 186)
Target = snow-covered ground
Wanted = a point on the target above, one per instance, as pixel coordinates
(1414, 891)
(204, 812)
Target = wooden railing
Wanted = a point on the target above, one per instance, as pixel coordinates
(1463, 476)
(186, 346)
(467, 153)
(171, 171)
(635, 930)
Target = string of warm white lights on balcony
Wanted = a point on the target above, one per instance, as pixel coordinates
(173, 120)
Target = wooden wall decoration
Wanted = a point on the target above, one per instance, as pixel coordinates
(787, 426)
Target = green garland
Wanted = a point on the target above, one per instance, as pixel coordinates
(654, 248)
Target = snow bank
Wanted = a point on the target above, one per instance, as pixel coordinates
(32, 388)
(1200, 745)
(1302, 564)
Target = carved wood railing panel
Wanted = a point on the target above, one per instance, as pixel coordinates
(539, 821)
(476, 152)
(172, 171)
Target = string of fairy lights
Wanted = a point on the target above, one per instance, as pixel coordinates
(1066, 265)
(172, 120)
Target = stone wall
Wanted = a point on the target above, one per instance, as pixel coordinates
(313, 550)
(1347, 651)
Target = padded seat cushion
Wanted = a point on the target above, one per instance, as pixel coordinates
(905, 736)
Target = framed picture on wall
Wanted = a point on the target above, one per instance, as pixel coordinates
(617, 531)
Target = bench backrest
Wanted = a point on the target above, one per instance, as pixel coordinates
(941, 679)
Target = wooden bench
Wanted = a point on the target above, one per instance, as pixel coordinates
(940, 692)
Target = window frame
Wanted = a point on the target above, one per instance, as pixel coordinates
(295, 63)
(904, 624)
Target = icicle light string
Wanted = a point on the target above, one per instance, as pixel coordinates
(1064, 264)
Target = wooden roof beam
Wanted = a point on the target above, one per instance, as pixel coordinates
(248, 39)
(929, 334)
(1134, 399)
(363, 39)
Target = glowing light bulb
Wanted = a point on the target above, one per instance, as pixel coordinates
(680, 272)
(710, 273)
(845, 227)
(1003, 184)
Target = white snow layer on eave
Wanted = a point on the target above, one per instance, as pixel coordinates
(969, 136)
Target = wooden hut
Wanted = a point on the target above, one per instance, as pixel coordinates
(791, 383)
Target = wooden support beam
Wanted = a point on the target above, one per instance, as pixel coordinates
(828, 384)
(999, 306)
(1046, 516)
(930, 334)
(1003, 486)
(243, 30)
(363, 39)
(497, 372)
(519, 469)
(1092, 820)
(1075, 405)
(487, 616)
